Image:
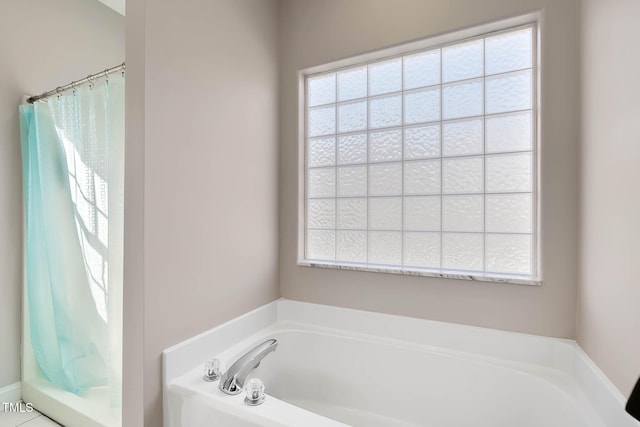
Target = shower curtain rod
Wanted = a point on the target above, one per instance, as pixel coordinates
(73, 84)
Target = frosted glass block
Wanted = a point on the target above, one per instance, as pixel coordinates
(509, 51)
(509, 173)
(464, 175)
(385, 77)
(385, 111)
(321, 182)
(385, 179)
(463, 99)
(463, 213)
(509, 92)
(352, 83)
(385, 213)
(352, 181)
(321, 90)
(385, 146)
(322, 121)
(422, 250)
(462, 251)
(321, 213)
(352, 116)
(422, 106)
(352, 246)
(422, 213)
(509, 213)
(463, 61)
(322, 152)
(422, 69)
(463, 137)
(509, 132)
(422, 177)
(352, 149)
(385, 247)
(352, 214)
(321, 244)
(421, 142)
(508, 253)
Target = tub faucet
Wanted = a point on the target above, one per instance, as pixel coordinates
(232, 382)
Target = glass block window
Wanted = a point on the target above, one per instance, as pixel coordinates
(425, 162)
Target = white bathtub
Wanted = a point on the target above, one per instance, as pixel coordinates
(338, 367)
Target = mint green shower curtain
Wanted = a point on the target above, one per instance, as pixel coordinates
(73, 167)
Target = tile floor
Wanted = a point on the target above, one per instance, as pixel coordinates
(25, 419)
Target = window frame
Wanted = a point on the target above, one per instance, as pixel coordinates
(532, 20)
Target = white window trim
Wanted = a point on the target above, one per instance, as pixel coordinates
(534, 19)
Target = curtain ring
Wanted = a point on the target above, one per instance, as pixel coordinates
(123, 68)
(106, 75)
(59, 92)
(73, 86)
(90, 79)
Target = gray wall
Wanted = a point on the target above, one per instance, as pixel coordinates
(609, 293)
(43, 44)
(314, 32)
(201, 237)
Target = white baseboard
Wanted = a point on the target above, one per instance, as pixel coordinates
(11, 393)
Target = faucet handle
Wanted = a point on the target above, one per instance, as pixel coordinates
(255, 392)
(211, 370)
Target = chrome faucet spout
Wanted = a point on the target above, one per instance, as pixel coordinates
(232, 382)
